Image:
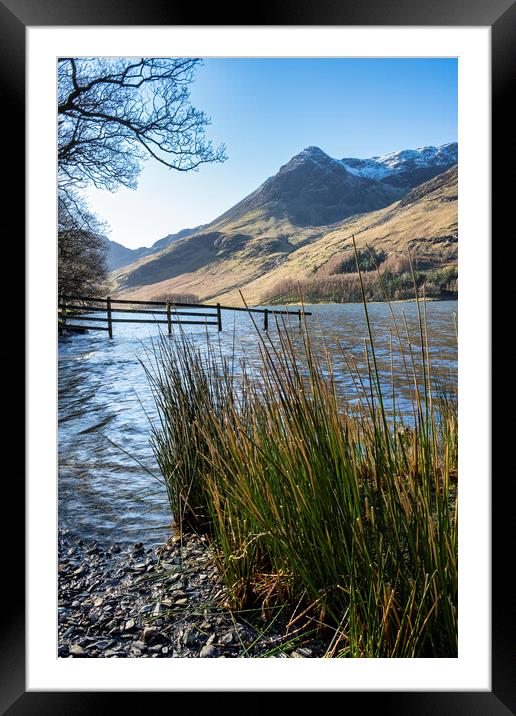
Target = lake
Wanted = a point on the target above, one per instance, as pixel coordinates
(108, 481)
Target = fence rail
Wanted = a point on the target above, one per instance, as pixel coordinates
(72, 308)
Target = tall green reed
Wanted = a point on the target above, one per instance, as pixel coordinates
(346, 515)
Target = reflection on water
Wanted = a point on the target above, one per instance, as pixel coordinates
(109, 484)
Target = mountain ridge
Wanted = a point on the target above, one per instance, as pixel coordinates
(119, 255)
(310, 197)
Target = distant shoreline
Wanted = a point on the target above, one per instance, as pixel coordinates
(344, 303)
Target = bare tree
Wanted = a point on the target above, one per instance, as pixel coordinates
(114, 113)
(81, 248)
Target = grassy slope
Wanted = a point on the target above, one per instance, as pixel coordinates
(255, 251)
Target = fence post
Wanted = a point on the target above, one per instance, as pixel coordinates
(168, 319)
(266, 320)
(219, 317)
(110, 322)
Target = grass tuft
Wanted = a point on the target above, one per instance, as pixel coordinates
(347, 516)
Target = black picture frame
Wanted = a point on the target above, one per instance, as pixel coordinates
(500, 16)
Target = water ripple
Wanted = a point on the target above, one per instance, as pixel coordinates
(105, 405)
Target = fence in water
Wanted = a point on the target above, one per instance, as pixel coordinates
(80, 308)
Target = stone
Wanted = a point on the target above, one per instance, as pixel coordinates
(130, 624)
(208, 651)
(175, 585)
(148, 633)
(227, 638)
(77, 650)
(102, 644)
(189, 636)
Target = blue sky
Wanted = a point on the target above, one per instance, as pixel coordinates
(268, 110)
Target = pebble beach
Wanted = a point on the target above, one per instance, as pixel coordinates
(120, 601)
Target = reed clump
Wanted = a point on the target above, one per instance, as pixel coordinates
(348, 513)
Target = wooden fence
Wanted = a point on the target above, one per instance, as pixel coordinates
(74, 308)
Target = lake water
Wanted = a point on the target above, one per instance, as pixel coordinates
(109, 486)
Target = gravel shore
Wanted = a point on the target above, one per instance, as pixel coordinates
(118, 601)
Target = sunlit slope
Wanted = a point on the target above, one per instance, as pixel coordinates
(424, 221)
(250, 248)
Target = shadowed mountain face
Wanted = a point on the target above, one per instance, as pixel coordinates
(118, 255)
(188, 256)
(433, 186)
(313, 189)
(310, 197)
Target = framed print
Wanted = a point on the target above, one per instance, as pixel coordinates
(453, 65)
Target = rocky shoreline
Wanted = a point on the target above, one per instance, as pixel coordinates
(120, 601)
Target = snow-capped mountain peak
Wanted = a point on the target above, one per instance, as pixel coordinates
(405, 168)
(314, 189)
(389, 165)
(312, 154)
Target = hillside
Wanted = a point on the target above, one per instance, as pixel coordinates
(424, 221)
(119, 255)
(300, 218)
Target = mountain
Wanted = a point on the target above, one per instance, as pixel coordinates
(308, 206)
(424, 221)
(407, 168)
(170, 238)
(313, 189)
(118, 255)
